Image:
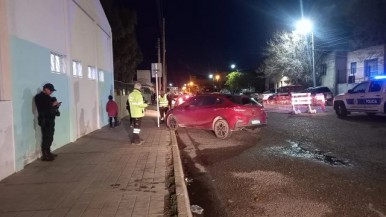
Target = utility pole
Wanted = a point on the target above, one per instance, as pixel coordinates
(164, 76)
(159, 57)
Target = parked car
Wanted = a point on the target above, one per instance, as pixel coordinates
(218, 112)
(328, 96)
(368, 96)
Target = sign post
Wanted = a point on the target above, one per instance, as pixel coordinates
(156, 72)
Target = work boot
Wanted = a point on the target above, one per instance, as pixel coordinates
(52, 154)
(47, 157)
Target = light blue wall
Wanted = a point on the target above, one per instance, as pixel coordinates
(105, 89)
(30, 69)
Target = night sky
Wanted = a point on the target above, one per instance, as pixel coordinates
(204, 36)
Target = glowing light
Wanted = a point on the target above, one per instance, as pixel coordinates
(210, 76)
(304, 26)
(380, 77)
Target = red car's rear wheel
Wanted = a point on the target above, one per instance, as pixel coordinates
(221, 129)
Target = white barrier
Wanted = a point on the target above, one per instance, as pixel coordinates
(301, 99)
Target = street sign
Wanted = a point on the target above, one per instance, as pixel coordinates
(156, 69)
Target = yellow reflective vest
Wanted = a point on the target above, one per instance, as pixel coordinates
(137, 106)
(163, 101)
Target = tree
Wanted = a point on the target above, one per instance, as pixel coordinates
(126, 52)
(233, 81)
(290, 55)
(238, 80)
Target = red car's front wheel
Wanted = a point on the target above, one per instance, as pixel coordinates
(172, 122)
(221, 129)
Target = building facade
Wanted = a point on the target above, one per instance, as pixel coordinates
(64, 42)
(345, 69)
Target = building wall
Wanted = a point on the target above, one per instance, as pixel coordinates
(329, 79)
(76, 29)
(7, 153)
(360, 56)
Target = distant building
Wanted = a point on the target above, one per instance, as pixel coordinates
(67, 43)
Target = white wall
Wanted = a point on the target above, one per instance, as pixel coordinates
(359, 56)
(40, 22)
(91, 45)
(330, 78)
(7, 157)
(77, 29)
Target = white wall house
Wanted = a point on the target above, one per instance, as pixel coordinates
(334, 70)
(365, 63)
(344, 70)
(64, 42)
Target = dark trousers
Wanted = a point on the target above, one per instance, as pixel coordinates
(131, 119)
(162, 111)
(48, 129)
(115, 121)
(136, 130)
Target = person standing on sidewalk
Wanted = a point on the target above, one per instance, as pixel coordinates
(47, 108)
(112, 112)
(163, 105)
(137, 111)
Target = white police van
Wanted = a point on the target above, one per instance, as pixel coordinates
(368, 96)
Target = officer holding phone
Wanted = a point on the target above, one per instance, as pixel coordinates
(48, 109)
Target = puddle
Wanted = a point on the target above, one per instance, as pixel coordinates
(295, 150)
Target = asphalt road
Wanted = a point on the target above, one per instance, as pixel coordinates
(299, 165)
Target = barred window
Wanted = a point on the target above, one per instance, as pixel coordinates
(92, 73)
(77, 70)
(353, 68)
(101, 76)
(57, 63)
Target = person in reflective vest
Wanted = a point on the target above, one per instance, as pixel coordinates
(137, 111)
(163, 104)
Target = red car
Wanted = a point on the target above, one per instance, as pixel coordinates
(218, 112)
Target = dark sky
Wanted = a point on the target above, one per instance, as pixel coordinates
(204, 36)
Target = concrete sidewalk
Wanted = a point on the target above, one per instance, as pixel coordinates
(100, 174)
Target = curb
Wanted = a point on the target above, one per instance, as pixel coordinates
(183, 202)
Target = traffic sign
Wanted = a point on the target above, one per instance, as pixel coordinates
(156, 69)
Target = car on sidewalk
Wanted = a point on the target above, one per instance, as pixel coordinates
(221, 113)
(368, 96)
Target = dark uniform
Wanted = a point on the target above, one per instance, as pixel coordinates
(46, 120)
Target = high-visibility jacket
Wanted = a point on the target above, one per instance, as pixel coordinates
(137, 106)
(163, 101)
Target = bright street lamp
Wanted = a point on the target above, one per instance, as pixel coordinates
(233, 66)
(170, 84)
(211, 76)
(217, 77)
(304, 26)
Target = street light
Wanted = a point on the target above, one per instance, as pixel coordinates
(233, 66)
(304, 26)
(210, 76)
(217, 77)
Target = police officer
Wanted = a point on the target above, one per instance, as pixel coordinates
(137, 111)
(47, 110)
(163, 104)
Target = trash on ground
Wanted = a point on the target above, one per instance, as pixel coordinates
(196, 209)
